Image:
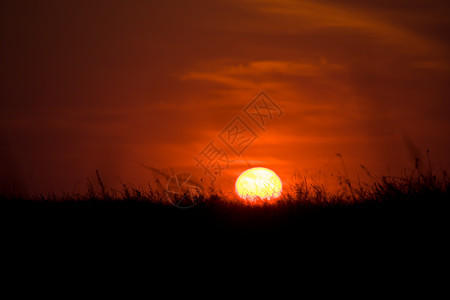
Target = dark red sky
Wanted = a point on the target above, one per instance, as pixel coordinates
(110, 85)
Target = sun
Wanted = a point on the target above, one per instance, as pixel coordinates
(258, 183)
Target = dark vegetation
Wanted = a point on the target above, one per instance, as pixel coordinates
(412, 206)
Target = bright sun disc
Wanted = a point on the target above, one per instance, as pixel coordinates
(258, 183)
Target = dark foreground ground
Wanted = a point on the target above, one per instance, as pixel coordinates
(393, 233)
(392, 216)
(401, 236)
(399, 239)
(213, 218)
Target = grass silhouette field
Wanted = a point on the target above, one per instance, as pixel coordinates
(392, 207)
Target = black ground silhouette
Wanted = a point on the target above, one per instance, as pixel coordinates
(392, 208)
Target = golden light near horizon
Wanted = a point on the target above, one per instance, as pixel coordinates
(258, 183)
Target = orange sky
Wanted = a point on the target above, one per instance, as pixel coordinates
(111, 85)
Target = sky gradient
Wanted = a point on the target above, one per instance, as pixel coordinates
(119, 85)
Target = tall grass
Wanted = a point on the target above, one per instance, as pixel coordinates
(386, 202)
(414, 186)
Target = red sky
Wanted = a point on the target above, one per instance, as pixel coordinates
(111, 85)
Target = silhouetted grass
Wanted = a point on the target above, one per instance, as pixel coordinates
(414, 201)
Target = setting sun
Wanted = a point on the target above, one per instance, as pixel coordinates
(258, 183)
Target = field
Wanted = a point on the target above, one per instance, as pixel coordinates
(412, 206)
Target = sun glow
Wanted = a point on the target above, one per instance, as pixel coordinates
(258, 183)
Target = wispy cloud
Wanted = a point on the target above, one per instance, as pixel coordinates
(254, 73)
(297, 15)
